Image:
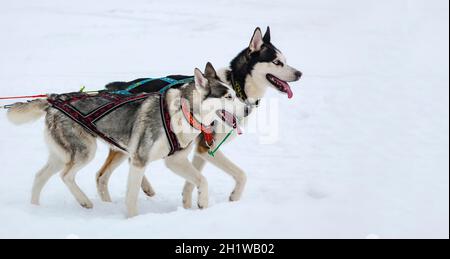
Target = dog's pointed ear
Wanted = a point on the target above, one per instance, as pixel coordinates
(210, 71)
(257, 41)
(266, 38)
(200, 79)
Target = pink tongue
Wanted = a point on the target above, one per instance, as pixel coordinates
(231, 120)
(288, 90)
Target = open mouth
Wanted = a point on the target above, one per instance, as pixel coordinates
(281, 85)
(230, 120)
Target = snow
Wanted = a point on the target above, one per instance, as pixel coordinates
(362, 150)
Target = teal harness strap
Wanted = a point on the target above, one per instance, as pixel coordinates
(175, 82)
(168, 80)
(171, 82)
(131, 87)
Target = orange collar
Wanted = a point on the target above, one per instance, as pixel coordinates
(207, 131)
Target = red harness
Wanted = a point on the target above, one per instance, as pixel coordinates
(207, 131)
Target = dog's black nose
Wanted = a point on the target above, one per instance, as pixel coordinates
(298, 74)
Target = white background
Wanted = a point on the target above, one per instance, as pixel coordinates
(363, 149)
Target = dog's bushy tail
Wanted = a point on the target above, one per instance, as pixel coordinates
(22, 113)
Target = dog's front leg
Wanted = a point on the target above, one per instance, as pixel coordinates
(135, 177)
(181, 166)
(225, 164)
(199, 163)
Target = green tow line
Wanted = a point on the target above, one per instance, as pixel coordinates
(213, 153)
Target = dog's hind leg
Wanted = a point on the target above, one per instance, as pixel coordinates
(68, 177)
(180, 165)
(199, 163)
(53, 166)
(80, 157)
(114, 160)
(74, 146)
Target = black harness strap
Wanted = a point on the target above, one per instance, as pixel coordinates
(171, 137)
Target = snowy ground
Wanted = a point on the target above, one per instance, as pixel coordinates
(364, 144)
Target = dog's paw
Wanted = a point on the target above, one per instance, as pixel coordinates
(187, 204)
(105, 197)
(132, 213)
(202, 203)
(235, 196)
(87, 205)
(149, 192)
(35, 202)
(108, 200)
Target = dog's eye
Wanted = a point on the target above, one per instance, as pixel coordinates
(278, 63)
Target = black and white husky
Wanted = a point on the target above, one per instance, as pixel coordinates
(139, 128)
(257, 68)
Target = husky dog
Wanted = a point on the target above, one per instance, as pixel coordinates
(138, 127)
(258, 67)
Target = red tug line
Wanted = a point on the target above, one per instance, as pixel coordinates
(21, 97)
(24, 97)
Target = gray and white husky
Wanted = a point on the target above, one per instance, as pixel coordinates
(138, 128)
(257, 68)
